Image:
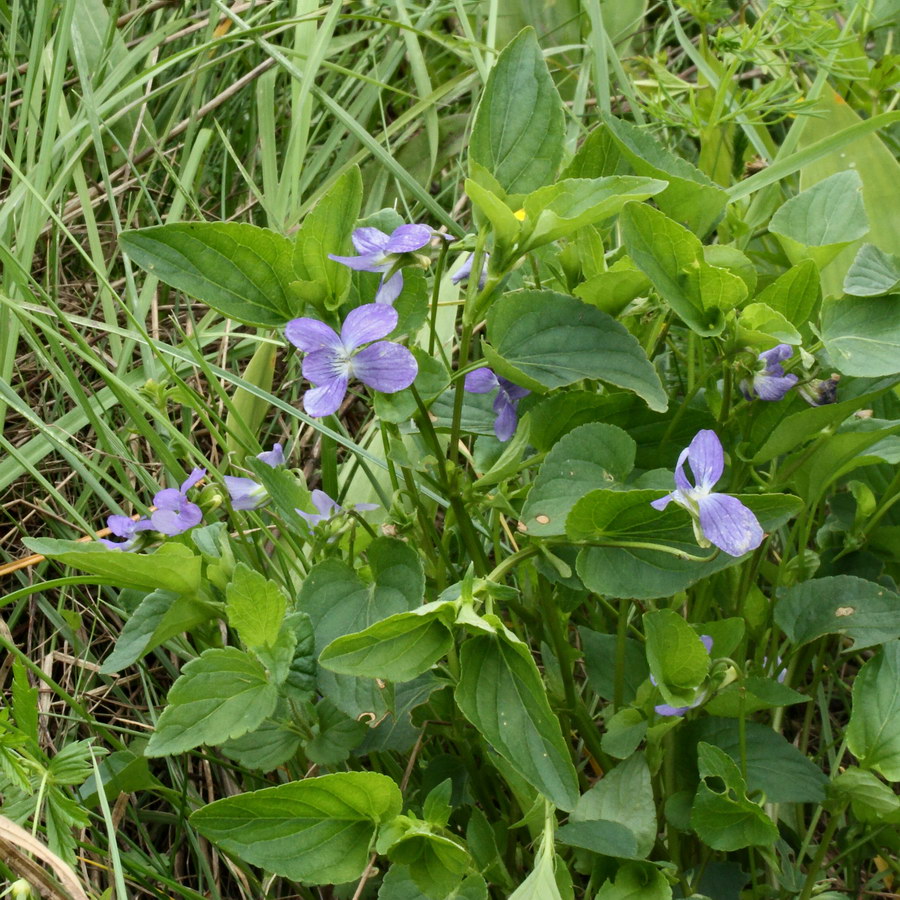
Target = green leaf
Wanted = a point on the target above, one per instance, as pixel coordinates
(624, 732)
(677, 658)
(286, 488)
(514, 715)
(399, 884)
(326, 229)
(505, 226)
(248, 411)
(839, 604)
(336, 735)
(240, 270)
(600, 664)
(863, 336)
(436, 862)
(722, 815)
(872, 273)
(759, 322)
(519, 129)
(559, 209)
(269, 746)
(636, 881)
(222, 694)
(830, 212)
(872, 800)
(541, 883)
(588, 457)
(614, 289)
(397, 648)
(255, 607)
(795, 293)
(558, 414)
(673, 260)
(873, 734)
(300, 683)
(691, 197)
(752, 694)
(318, 830)
(172, 567)
(544, 340)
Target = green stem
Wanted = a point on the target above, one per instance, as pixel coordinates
(621, 638)
(824, 843)
(328, 464)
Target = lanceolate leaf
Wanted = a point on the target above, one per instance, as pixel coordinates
(240, 270)
(543, 340)
(318, 830)
(501, 693)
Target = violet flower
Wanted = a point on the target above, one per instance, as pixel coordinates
(718, 518)
(380, 252)
(127, 528)
(770, 383)
(328, 509)
(483, 381)
(465, 270)
(664, 709)
(245, 493)
(332, 359)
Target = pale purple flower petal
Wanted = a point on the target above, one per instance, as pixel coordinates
(323, 366)
(324, 504)
(368, 323)
(168, 498)
(245, 493)
(121, 526)
(665, 710)
(325, 400)
(481, 381)
(192, 479)
(273, 457)
(327, 508)
(707, 459)
(773, 388)
(513, 391)
(663, 502)
(769, 382)
(728, 524)
(408, 239)
(681, 481)
(776, 355)
(311, 334)
(465, 271)
(367, 263)
(369, 241)
(176, 521)
(506, 421)
(390, 290)
(707, 642)
(385, 367)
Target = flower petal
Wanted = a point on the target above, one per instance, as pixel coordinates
(513, 391)
(325, 399)
(273, 457)
(681, 483)
(244, 493)
(323, 365)
(776, 355)
(707, 458)
(665, 710)
(390, 290)
(408, 238)
(506, 421)
(311, 334)
(707, 642)
(773, 387)
(121, 526)
(663, 502)
(481, 381)
(728, 524)
(324, 504)
(172, 522)
(369, 241)
(192, 479)
(370, 262)
(385, 366)
(168, 498)
(368, 323)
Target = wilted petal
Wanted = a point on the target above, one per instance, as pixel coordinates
(368, 263)
(390, 290)
(385, 366)
(273, 457)
(506, 421)
(408, 238)
(369, 241)
(773, 387)
(311, 334)
(192, 479)
(324, 365)
(481, 381)
(324, 400)
(728, 524)
(368, 323)
(707, 458)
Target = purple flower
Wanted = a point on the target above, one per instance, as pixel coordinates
(465, 270)
(328, 509)
(718, 519)
(820, 392)
(483, 381)
(245, 493)
(127, 528)
(380, 252)
(770, 383)
(174, 513)
(331, 359)
(665, 710)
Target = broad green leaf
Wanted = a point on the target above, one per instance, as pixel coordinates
(691, 197)
(839, 604)
(518, 130)
(318, 830)
(337, 735)
(672, 258)
(624, 796)
(774, 766)
(121, 772)
(752, 694)
(541, 883)
(873, 734)
(240, 270)
(588, 457)
(558, 414)
(600, 664)
(436, 862)
(170, 568)
(504, 225)
(300, 683)
(269, 746)
(397, 648)
(598, 156)
(544, 340)
(397, 731)
(722, 815)
(614, 289)
(248, 411)
(255, 607)
(559, 209)
(161, 615)
(872, 273)
(326, 229)
(603, 837)
(724, 256)
(624, 732)
(221, 695)
(863, 336)
(500, 691)
(636, 881)
(677, 658)
(758, 322)
(399, 884)
(794, 294)
(872, 800)
(648, 574)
